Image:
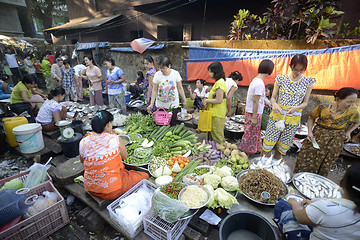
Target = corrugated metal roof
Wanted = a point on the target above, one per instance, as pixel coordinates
(83, 23)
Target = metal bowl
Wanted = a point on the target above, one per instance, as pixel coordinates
(126, 138)
(140, 137)
(136, 152)
(63, 123)
(254, 200)
(272, 167)
(149, 169)
(203, 203)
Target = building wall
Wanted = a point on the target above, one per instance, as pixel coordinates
(9, 20)
(133, 62)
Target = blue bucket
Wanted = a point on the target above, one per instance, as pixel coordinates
(29, 137)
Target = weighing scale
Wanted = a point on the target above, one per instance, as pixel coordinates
(66, 131)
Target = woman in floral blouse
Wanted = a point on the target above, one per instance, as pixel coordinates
(166, 88)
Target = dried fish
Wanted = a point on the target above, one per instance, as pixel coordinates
(234, 126)
(316, 186)
(254, 182)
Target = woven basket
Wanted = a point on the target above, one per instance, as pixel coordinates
(162, 117)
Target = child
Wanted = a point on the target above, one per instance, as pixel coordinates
(5, 91)
(68, 81)
(138, 87)
(267, 108)
(251, 140)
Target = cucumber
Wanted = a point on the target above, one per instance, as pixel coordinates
(181, 127)
(175, 129)
(188, 134)
(182, 133)
(163, 129)
(175, 149)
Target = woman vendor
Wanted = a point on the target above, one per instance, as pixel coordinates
(335, 218)
(25, 98)
(51, 111)
(217, 102)
(102, 153)
(329, 132)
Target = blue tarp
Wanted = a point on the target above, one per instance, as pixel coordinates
(92, 45)
(129, 49)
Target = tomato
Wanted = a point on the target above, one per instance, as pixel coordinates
(182, 165)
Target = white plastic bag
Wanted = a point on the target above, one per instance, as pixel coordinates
(37, 174)
(280, 125)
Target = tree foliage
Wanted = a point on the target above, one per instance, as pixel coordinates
(289, 19)
(44, 10)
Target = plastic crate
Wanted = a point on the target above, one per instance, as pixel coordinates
(42, 224)
(22, 177)
(159, 229)
(137, 227)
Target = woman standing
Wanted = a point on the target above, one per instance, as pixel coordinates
(166, 89)
(149, 76)
(251, 140)
(46, 70)
(231, 86)
(78, 80)
(51, 111)
(217, 102)
(93, 74)
(115, 87)
(291, 94)
(329, 132)
(102, 153)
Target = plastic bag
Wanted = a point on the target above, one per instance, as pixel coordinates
(280, 125)
(37, 174)
(43, 202)
(167, 208)
(182, 113)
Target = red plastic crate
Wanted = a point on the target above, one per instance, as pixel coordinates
(42, 224)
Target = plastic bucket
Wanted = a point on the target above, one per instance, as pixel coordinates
(127, 98)
(29, 137)
(249, 222)
(70, 147)
(9, 125)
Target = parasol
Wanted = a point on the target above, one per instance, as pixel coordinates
(141, 44)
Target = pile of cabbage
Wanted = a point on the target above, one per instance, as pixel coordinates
(219, 183)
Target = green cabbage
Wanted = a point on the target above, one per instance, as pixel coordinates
(212, 202)
(225, 199)
(13, 184)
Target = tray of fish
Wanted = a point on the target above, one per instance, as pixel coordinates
(312, 185)
(277, 167)
(233, 126)
(238, 118)
(352, 148)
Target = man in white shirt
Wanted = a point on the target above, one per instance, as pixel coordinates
(10, 57)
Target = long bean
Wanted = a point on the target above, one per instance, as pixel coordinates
(189, 168)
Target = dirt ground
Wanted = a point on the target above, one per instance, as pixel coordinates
(12, 163)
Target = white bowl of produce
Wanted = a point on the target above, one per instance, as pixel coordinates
(142, 152)
(194, 196)
(202, 171)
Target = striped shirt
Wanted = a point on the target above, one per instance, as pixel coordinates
(334, 219)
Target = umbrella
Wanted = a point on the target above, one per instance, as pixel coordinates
(141, 44)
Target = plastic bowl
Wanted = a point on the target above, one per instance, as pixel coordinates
(202, 204)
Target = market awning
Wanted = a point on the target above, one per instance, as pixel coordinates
(83, 23)
(129, 49)
(92, 45)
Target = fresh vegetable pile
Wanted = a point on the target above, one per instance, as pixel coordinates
(138, 123)
(134, 137)
(172, 189)
(178, 163)
(142, 152)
